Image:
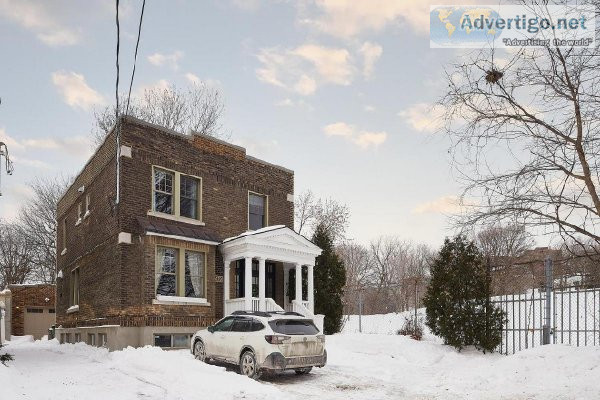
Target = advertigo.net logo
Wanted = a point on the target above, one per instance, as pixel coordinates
(477, 26)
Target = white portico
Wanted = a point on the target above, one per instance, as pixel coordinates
(252, 254)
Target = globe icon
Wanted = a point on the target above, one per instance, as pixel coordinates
(449, 27)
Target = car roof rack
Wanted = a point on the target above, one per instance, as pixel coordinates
(294, 313)
(255, 313)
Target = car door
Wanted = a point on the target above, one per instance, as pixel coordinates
(238, 337)
(216, 345)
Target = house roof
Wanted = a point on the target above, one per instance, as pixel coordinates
(199, 233)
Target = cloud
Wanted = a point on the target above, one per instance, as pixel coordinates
(170, 60)
(75, 90)
(361, 138)
(424, 117)
(285, 103)
(303, 69)
(370, 53)
(192, 78)
(369, 108)
(41, 19)
(350, 18)
(79, 146)
(441, 205)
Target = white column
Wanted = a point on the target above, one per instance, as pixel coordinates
(311, 289)
(298, 282)
(261, 285)
(248, 284)
(226, 272)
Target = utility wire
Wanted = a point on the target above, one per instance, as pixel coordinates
(117, 124)
(135, 56)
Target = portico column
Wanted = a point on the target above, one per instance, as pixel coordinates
(298, 281)
(311, 289)
(226, 264)
(261, 284)
(248, 284)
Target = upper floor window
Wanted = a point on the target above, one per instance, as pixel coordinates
(188, 197)
(177, 194)
(163, 191)
(257, 211)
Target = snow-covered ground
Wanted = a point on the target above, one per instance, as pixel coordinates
(361, 366)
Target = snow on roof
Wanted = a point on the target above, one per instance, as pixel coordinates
(261, 230)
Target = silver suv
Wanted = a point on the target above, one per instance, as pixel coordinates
(262, 341)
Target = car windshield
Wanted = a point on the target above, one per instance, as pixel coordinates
(294, 327)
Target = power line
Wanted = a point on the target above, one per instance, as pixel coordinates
(117, 125)
(135, 56)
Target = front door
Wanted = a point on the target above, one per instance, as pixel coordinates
(240, 273)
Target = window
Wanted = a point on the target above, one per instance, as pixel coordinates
(257, 206)
(294, 327)
(172, 341)
(79, 214)
(77, 337)
(180, 272)
(62, 338)
(166, 275)
(241, 325)
(35, 310)
(74, 287)
(224, 325)
(163, 191)
(91, 339)
(176, 194)
(87, 205)
(67, 338)
(102, 339)
(194, 274)
(64, 234)
(51, 311)
(188, 197)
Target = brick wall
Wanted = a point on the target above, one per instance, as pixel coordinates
(117, 280)
(23, 296)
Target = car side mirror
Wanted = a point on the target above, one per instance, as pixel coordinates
(211, 329)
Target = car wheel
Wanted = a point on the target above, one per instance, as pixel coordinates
(199, 351)
(303, 371)
(248, 365)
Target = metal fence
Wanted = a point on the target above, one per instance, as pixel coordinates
(565, 315)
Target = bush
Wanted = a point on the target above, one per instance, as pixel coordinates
(457, 299)
(413, 328)
(4, 358)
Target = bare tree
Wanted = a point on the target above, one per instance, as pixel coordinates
(198, 108)
(16, 255)
(504, 240)
(525, 128)
(357, 262)
(309, 212)
(37, 219)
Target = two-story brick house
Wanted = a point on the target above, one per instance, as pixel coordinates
(199, 228)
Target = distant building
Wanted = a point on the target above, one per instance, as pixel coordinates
(27, 310)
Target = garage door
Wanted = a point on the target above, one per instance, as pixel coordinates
(38, 320)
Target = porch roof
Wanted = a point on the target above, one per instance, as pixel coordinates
(273, 242)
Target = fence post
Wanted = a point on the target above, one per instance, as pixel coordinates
(548, 308)
(360, 305)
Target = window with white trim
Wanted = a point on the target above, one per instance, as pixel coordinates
(74, 288)
(87, 205)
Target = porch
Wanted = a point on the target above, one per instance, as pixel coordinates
(264, 270)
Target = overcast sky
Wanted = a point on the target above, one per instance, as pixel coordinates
(340, 93)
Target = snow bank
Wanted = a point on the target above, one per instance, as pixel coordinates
(47, 369)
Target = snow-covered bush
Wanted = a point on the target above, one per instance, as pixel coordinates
(412, 327)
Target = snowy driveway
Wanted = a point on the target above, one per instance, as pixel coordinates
(360, 367)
